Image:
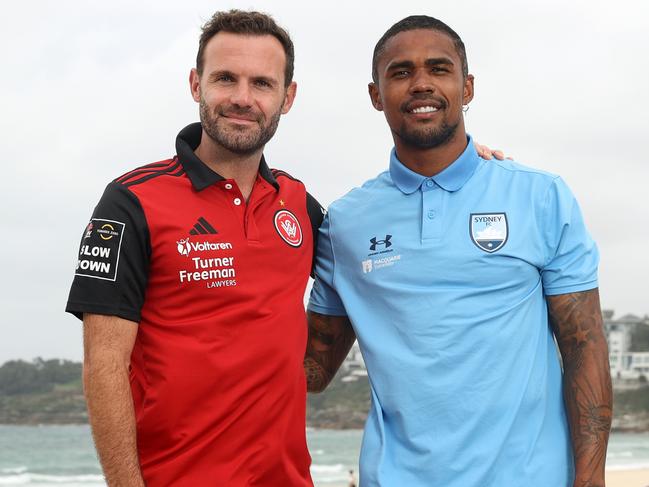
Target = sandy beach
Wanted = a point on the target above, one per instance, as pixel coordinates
(614, 478)
(627, 478)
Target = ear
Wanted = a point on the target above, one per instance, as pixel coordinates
(289, 97)
(195, 85)
(375, 96)
(468, 90)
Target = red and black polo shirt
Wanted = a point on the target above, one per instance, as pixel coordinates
(217, 286)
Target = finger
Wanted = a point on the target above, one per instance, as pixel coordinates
(483, 151)
(498, 154)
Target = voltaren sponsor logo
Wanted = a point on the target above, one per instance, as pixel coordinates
(203, 246)
(185, 246)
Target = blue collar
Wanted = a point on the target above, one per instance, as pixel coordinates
(450, 179)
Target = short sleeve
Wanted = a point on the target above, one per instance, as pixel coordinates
(113, 259)
(324, 298)
(572, 256)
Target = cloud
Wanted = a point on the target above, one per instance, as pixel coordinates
(90, 90)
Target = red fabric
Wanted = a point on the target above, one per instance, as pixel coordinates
(217, 378)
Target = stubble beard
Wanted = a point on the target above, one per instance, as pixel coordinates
(238, 141)
(427, 138)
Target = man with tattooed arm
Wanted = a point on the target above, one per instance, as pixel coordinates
(456, 275)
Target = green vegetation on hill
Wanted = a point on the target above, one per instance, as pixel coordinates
(50, 391)
(42, 391)
(632, 401)
(20, 377)
(342, 405)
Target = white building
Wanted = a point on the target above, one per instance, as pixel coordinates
(354, 366)
(624, 363)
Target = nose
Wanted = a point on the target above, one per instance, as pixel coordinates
(241, 95)
(421, 82)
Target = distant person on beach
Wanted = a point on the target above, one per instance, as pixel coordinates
(190, 282)
(456, 275)
(352, 479)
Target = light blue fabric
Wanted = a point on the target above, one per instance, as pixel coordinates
(464, 373)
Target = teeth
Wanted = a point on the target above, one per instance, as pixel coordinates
(424, 110)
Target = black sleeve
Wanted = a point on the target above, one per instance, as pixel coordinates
(114, 255)
(316, 215)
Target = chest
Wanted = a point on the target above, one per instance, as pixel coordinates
(214, 248)
(436, 240)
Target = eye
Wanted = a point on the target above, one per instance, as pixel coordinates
(438, 69)
(402, 73)
(223, 78)
(262, 83)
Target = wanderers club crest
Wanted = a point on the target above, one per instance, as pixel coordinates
(488, 230)
(288, 227)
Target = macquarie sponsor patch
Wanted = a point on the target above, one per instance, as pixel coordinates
(488, 231)
(99, 251)
(381, 254)
(288, 227)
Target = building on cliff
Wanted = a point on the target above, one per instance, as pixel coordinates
(625, 364)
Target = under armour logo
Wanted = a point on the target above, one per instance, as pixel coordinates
(376, 242)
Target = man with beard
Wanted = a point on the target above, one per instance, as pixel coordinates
(456, 274)
(190, 283)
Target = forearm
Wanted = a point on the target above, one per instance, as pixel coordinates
(112, 418)
(330, 338)
(317, 377)
(577, 322)
(588, 399)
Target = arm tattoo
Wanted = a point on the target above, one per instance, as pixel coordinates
(330, 338)
(577, 324)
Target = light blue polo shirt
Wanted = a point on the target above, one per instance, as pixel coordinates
(444, 279)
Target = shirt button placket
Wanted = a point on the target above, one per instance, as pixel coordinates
(431, 202)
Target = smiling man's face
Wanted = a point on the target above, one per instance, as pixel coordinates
(421, 88)
(241, 91)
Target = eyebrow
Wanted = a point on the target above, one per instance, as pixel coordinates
(429, 62)
(221, 72)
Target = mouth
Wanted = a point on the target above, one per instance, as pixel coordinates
(240, 117)
(425, 109)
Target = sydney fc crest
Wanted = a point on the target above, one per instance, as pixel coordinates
(488, 230)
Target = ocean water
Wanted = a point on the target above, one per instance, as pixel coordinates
(63, 456)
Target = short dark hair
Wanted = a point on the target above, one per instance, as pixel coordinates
(418, 22)
(246, 23)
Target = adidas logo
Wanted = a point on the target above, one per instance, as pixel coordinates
(202, 227)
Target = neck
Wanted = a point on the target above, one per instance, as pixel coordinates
(429, 162)
(242, 168)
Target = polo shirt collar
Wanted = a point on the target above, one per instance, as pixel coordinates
(450, 179)
(198, 172)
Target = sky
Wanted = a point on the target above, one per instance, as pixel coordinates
(90, 90)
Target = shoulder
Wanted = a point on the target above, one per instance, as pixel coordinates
(150, 172)
(128, 192)
(517, 168)
(518, 178)
(359, 198)
(288, 182)
(283, 177)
